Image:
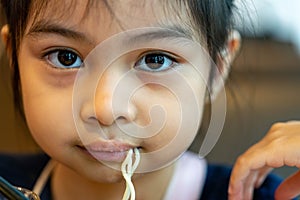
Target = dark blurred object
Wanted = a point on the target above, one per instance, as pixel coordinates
(10, 192)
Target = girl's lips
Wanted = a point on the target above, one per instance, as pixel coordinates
(109, 151)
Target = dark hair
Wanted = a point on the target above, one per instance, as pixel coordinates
(211, 18)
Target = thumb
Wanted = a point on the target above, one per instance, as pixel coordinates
(289, 188)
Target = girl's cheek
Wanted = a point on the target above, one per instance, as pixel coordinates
(171, 112)
(47, 93)
(49, 118)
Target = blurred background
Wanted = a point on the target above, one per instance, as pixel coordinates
(263, 87)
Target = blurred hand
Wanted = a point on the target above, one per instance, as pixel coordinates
(280, 147)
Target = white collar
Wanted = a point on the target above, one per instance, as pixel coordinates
(188, 179)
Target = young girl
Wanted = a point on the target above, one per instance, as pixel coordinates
(112, 88)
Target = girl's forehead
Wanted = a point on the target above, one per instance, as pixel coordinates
(126, 13)
(99, 19)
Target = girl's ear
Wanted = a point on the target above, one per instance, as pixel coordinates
(5, 38)
(229, 53)
(224, 61)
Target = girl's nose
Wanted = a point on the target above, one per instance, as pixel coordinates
(112, 99)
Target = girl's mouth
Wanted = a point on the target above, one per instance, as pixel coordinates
(109, 151)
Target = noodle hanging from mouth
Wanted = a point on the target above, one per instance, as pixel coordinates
(128, 168)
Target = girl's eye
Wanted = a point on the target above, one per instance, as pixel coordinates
(155, 62)
(64, 59)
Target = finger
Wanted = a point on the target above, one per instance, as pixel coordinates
(235, 192)
(245, 164)
(262, 176)
(289, 188)
(249, 185)
(243, 189)
(236, 185)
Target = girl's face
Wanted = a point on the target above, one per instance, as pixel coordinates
(81, 116)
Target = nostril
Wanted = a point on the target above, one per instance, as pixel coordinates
(92, 119)
(86, 113)
(128, 112)
(107, 114)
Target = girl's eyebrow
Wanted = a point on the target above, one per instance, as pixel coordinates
(46, 27)
(162, 33)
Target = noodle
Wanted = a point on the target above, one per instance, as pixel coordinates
(127, 170)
